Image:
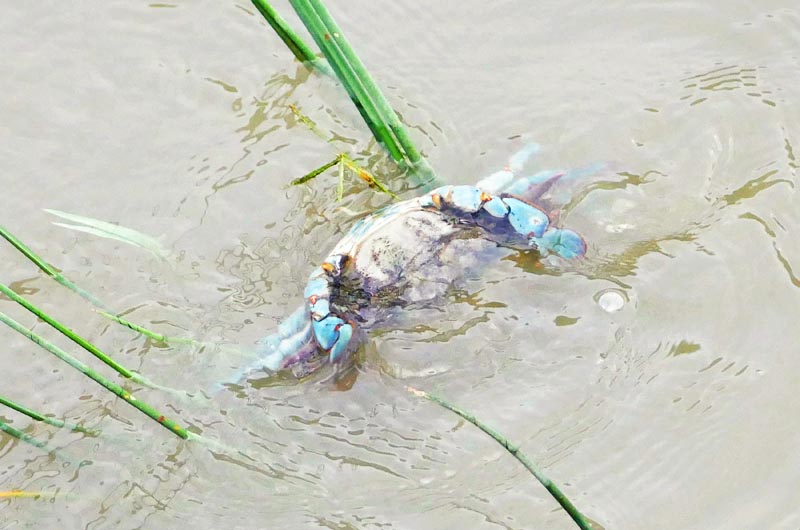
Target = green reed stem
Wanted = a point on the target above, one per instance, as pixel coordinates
(321, 169)
(349, 79)
(293, 41)
(74, 337)
(49, 269)
(344, 161)
(385, 111)
(374, 108)
(340, 183)
(554, 490)
(150, 334)
(365, 175)
(45, 419)
(16, 433)
(308, 122)
(53, 273)
(97, 378)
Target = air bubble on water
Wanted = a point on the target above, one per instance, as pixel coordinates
(611, 300)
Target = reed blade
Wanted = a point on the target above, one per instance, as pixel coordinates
(151, 334)
(551, 487)
(103, 309)
(74, 337)
(296, 45)
(321, 169)
(116, 389)
(45, 419)
(49, 269)
(349, 79)
(108, 230)
(21, 494)
(335, 46)
(308, 122)
(378, 114)
(340, 184)
(19, 435)
(366, 176)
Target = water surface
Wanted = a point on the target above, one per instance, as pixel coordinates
(655, 381)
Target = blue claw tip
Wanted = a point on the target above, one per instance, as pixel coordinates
(326, 331)
(338, 349)
(565, 243)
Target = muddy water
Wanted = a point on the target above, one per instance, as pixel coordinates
(656, 380)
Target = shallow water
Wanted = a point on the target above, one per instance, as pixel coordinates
(676, 410)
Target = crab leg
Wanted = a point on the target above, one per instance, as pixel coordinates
(534, 188)
(500, 179)
(505, 219)
(550, 188)
(292, 342)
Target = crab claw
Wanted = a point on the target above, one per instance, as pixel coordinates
(525, 218)
(340, 348)
(326, 331)
(564, 243)
(333, 334)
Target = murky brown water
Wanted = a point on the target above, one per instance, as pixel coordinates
(677, 411)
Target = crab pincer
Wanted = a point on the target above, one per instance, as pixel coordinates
(332, 333)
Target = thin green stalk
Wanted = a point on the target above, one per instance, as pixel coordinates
(348, 76)
(333, 34)
(365, 175)
(374, 108)
(86, 345)
(321, 169)
(293, 41)
(303, 52)
(151, 334)
(344, 161)
(349, 79)
(340, 184)
(45, 419)
(97, 378)
(308, 122)
(49, 269)
(554, 490)
(53, 273)
(16, 433)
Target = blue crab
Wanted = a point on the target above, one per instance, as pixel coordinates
(397, 254)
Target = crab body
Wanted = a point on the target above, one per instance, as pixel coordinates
(405, 253)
